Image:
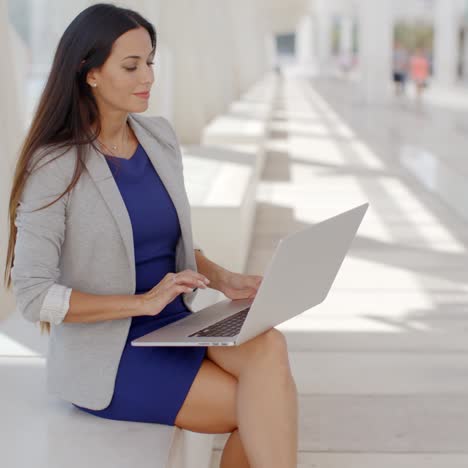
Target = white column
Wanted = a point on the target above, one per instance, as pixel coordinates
(162, 92)
(249, 29)
(20, 68)
(346, 35)
(445, 41)
(215, 52)
(270, 50)
(179, 32)
(465, 54)
(11, 133)
(226, 66)
(306, 53)
(41, 47)
(323, 21)
(375, 49)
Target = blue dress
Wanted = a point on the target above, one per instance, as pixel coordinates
(152, 382)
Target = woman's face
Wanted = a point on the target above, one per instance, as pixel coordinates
(127, 70)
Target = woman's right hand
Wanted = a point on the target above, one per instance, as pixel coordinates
(156, 299)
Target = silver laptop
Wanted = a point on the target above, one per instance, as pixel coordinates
(298, 277)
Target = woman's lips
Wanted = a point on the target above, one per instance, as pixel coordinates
(143, 95)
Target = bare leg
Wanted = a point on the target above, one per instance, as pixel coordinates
(247, 390)
(267, 407)
(268, 415)
(419, 90)
(233, 453)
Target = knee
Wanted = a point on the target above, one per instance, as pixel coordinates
(274, 342)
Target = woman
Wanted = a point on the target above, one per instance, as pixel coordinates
(101, 252)
(419, 68)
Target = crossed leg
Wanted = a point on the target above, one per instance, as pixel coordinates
(247, 390)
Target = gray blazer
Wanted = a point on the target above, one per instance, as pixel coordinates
(85, 241)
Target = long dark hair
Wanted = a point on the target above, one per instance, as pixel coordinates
(67, 110)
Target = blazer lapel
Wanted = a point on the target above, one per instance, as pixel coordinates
(102, 176)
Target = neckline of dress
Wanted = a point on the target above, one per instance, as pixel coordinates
(125, 159)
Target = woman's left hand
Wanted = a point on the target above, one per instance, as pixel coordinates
(240, 286)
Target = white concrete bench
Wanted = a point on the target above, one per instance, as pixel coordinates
(43, 431)
(221, 175)
(237, 133)
(221, 186)
(263, 91)
(245, 126)
(253, 110)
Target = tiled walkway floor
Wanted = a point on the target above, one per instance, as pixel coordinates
(382, 364)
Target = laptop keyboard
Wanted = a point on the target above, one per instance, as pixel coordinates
(230, 326)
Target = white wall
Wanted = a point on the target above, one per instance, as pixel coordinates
(11, 132)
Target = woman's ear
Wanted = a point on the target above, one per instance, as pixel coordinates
(91, 78)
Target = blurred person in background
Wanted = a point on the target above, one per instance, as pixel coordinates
(400, 68)
(419, 70)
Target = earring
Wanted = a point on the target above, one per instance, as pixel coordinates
(94, 85)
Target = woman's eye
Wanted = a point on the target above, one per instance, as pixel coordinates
(134, 68)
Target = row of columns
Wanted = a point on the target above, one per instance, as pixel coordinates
(375, 22)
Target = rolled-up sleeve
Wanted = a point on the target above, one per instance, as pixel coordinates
(56, 304)
(39, 239)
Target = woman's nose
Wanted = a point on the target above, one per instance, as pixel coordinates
(148, 77)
